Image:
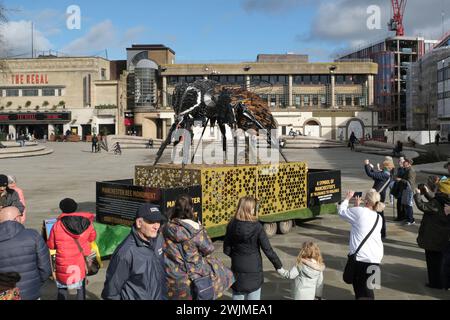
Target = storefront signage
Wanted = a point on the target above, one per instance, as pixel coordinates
(35, 117)
(32, 78)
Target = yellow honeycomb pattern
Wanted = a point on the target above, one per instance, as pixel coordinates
(278, 188)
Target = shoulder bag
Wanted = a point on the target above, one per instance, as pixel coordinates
(91, 262)
(350, 267)
(202, 288)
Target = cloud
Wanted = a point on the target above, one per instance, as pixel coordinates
(16, 36)
(131, 35)
(101, 36)
(272, 6)
(344, 22)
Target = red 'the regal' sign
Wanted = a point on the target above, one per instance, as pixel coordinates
(29, 79)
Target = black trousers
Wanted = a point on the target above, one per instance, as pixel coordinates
(446, 267)
(360, 285)
(435, 268)
(63, 294)
(401, 215)
(383, 227)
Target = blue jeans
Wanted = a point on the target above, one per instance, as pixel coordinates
(255, 295)
(409, 213)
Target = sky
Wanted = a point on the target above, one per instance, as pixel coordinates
(211, 30)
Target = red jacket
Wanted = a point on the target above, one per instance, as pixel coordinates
(70, 264)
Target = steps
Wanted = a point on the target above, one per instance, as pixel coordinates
(13, 150)
(131, 142)
(302, 142)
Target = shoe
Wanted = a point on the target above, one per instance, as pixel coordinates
(410, 223)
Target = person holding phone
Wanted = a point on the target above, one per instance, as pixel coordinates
(363, 219)
(381, 180)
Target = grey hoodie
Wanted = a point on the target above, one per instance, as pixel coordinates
(308, 279)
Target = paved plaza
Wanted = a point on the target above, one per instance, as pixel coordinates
(72, 170)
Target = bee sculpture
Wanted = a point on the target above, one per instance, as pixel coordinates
(209, 102)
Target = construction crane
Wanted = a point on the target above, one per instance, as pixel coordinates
(396, 23)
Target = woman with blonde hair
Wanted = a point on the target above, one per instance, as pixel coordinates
(381, 180)
(308, 273)
(244, 238)
(365, 239)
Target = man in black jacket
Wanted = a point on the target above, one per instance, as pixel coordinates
(136, 270)
(23, 251)
(9, 197)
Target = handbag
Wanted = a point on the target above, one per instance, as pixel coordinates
(91, 263)
(350, 267)
(202, 288)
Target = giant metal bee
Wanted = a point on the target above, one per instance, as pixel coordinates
(209, 102)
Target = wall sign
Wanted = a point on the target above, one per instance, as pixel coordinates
(34, 117)
(33, 78)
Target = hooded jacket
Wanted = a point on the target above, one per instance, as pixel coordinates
(242, 243)
(11, 199)
(136, 270)
(188, 256)
(70, 262)
(24, 251)
(308, 279)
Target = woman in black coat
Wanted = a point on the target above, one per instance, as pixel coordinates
(244, 238)
(434, 234)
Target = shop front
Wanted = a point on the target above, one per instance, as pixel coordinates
(36, 124)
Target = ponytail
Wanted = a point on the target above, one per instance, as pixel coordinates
(379, 206)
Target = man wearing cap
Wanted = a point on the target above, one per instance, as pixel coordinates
(136, 270)
(9, 197)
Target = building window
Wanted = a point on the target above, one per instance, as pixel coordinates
(12, 92)
(273, 101)
(103, 74)
(306, 100)
(297, 80)
(340, 79)
(324, 79)
(323, 100)
(315, 100)
(348, 101)
(340, 100)
(60, 92)
(441, 75)
(87, 90)
(48, 92)
(297, 100)
(357, 101)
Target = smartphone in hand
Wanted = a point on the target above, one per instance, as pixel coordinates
(358, 195)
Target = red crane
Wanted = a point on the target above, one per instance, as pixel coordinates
(396, 23)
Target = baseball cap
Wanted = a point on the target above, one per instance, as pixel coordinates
(3, 180)
(150, 212)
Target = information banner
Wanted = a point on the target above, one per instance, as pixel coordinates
(118, 201)
(324, 187)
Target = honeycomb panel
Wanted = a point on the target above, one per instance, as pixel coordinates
(164, 176)
(279, 188)
(221, 189)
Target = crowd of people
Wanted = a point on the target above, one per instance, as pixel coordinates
(172, 257)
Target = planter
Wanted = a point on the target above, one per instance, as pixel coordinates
(73, 138)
